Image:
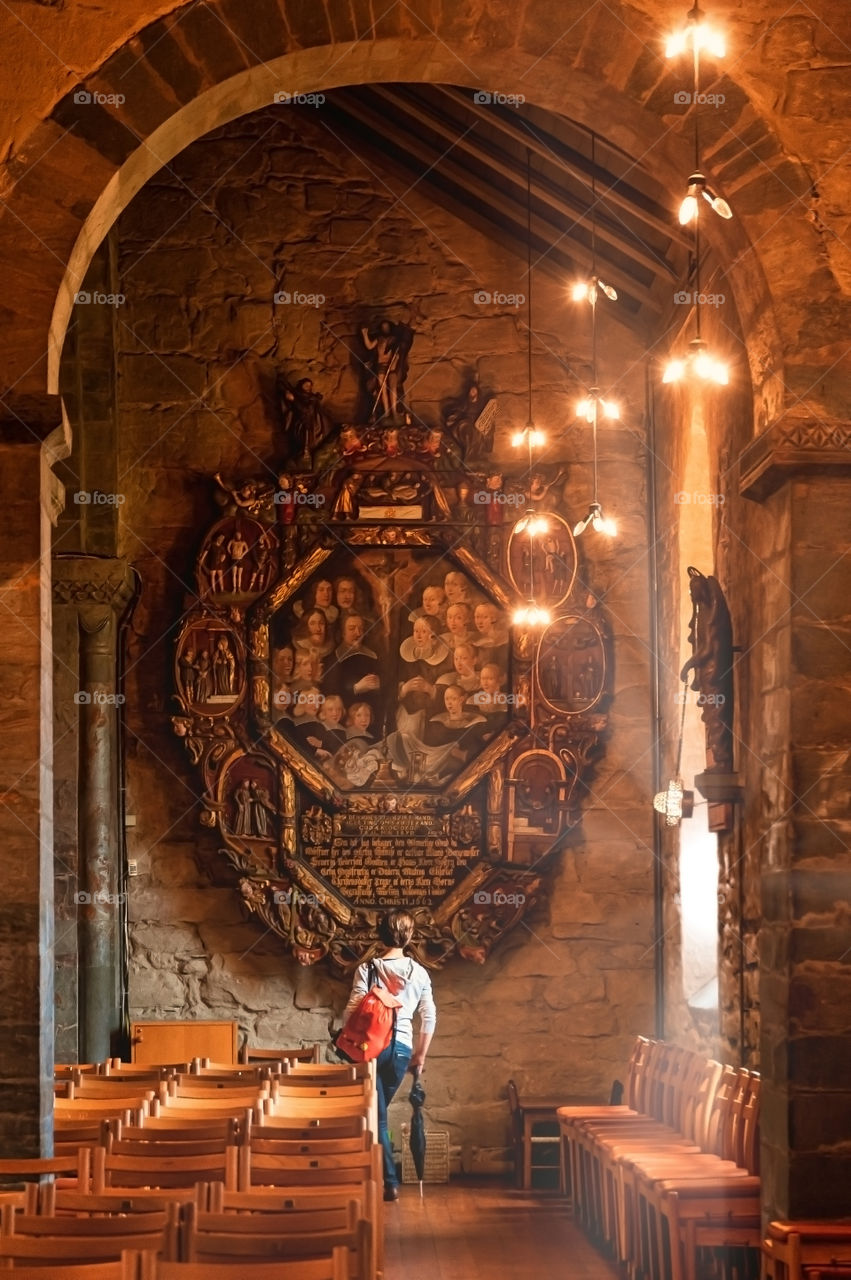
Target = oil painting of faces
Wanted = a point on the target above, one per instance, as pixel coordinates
(390, 669)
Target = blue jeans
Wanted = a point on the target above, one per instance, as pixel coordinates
(390, 1067)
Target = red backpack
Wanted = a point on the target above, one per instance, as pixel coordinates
(369, 1030)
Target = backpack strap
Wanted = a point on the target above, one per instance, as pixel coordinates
(386, 998)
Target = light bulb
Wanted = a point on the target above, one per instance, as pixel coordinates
(598, 522)
(699, 364)
(586, 290)
(697, 187)
(688, 210)
(529, 436)
(587, 408)
(537, 525)
(531, 615)
(718, 204)
(700, 36)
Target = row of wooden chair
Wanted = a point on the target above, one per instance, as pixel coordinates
(148, 1266)
(250, 1056)
(673, 1172)
(101, 1229)
(166, 1182)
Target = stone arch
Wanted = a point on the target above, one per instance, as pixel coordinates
(189, 72)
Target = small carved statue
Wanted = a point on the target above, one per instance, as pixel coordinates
(471, 420)
(387, 347)
(711, 638)
(304, 421)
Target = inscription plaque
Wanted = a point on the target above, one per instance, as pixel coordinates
(373, 859)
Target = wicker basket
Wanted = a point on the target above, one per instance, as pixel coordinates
(436, 1161)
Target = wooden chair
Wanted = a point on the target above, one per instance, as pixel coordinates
(357, 1169)
(54, 1251)
(106, 1235)
(322, 1072)
(98, 1086)
(126, 1268)
(304, 1129)
(134, 1105)
(70, 1134)
(214, 1107)
(59, 1201)
(806, 1250)
(535, 1130)
(163, 1170)
(222, 1237)
(198, 1089)
(168, 1129)
(239, 1073)
(72, 1169)
(306, 1053)
(335, 1266)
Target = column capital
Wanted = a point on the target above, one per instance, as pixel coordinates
(799, 442)
(107, 581)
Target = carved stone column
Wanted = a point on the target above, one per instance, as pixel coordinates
(801, 730)
(98, 590)
(30, 442)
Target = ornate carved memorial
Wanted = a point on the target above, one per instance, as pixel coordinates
(369, 728)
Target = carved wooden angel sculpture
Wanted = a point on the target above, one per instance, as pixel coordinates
(711, 638)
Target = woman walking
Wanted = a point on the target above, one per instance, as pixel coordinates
(410, 983)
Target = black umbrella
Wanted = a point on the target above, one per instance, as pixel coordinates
(417, 1140)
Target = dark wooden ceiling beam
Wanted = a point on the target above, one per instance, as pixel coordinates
(624, 241)
(610, 188)
(410, 148)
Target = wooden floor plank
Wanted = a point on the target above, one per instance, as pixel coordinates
(485, 1230)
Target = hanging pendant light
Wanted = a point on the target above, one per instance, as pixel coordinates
(675, 803)
(594, 406)
(698, 364)
(531, 526)
(698, 35)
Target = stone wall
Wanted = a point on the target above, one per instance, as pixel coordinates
(272, 204)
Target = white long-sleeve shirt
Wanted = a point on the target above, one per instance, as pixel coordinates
(409, 982)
